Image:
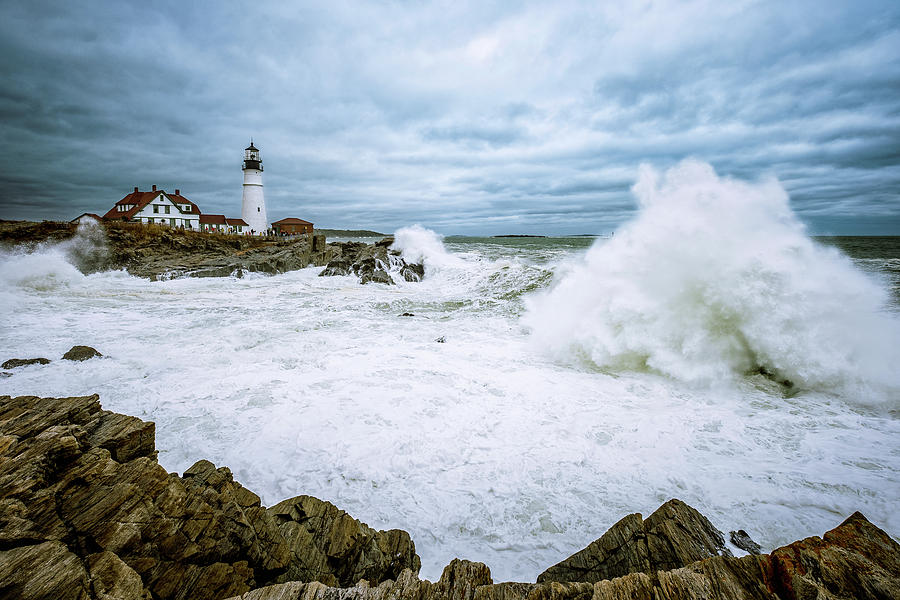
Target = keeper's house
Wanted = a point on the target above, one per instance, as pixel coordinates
(292, 226)
(156, 207)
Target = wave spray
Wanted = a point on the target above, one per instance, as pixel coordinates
(716, 278)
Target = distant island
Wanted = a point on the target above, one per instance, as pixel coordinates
(517, 235)
(348, 233)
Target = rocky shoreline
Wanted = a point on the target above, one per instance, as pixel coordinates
(156, 252)
(86, 512)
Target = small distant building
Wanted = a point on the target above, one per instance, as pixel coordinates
(237, 226)
(87, 217)
(222, 224)
(156, 207)
(292, 226)
(216, 223)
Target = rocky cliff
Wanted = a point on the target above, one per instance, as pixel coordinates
(86, 512)
(156, 252)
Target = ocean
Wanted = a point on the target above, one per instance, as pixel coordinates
(710, 351)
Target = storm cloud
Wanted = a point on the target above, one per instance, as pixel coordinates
(464, 117)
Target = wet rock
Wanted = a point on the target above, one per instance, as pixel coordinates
(372, 263)
(330, 546)
(413, 272)
(742, 540)
(14, 363)
(79, 353)
(338, 266)
(675, 535)
(5, 374)
(407, 314)
(385, 242)
(441, 340)
(375, 275)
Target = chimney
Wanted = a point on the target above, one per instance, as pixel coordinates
(135, 189)
(177, 192)
(154, 188)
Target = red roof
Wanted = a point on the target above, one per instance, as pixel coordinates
(213, 220)
(235, 222)
(139, 200)
(291, 221)
(92, 215)
(179, 199)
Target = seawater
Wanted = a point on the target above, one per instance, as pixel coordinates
(579, 379)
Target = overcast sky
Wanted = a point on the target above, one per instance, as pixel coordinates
(465, 117)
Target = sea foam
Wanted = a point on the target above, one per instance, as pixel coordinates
(715, 278)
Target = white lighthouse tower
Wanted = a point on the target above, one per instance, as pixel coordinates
(253, 205)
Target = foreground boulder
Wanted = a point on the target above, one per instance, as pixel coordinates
(79, 353)
(87, 512)
(330, 546)
(461, 580)
(674, 536)
(15, 363)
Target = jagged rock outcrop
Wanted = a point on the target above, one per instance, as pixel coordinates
(461, 580)
(80, 353)
(372, 263)
(675, 535)
(87, 512)
(330, 546)
(15, 363)
(854, 561)
(742, 540)
(158, 252)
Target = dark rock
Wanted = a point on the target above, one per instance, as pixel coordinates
(385, 242)
(14, 363)
(5, 374)
(441, 340)
(413, 272)
(741, 539)
(338, 266)
(330, 546)
(80, 353)
(377, 275)
(675, 535)
(372, 263)
(407, 314)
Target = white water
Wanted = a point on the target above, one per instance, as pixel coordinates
(504, 444)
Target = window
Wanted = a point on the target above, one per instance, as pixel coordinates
(171, 221)
(156, 208)
(167, 210)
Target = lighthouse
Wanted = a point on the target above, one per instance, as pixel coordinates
(253, 205)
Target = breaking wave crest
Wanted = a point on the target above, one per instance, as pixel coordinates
(419, 245)
(713, 279)
(51, 265)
